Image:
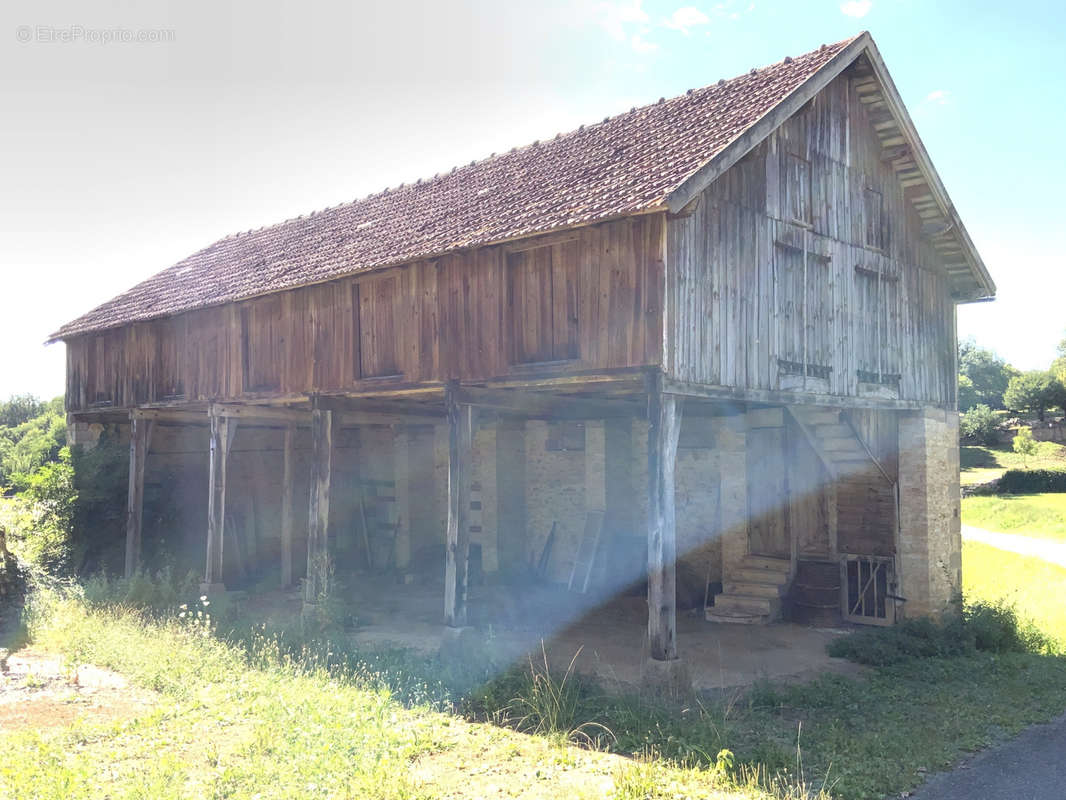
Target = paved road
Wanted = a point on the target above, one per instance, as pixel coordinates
(1055, 552)
(1030, 767)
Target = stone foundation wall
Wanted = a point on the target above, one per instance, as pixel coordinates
(930, 547)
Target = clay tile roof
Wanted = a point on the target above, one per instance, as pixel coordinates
(626, 164)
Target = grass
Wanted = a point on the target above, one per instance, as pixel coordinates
(1042, 516)
(262, 715)
(261, 722)
(1034, 587)
(982, 464)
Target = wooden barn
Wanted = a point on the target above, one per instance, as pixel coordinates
(706, 347)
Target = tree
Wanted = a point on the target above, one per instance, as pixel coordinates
(18, 409)
(1058, 366)
(967, 394)
(1035, 391)
(987, 373)
(980, 424)
(1025, 445)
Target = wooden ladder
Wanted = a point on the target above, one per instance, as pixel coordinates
(587, 550)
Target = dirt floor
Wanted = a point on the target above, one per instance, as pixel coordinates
(38, 691)
(609, 632)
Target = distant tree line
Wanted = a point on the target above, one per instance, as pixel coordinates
(988, 386)
(32, 434)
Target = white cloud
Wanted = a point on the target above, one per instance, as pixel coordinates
(940, 97)
(642, 45)
(856, 8)
(614, 17)
(685, 18)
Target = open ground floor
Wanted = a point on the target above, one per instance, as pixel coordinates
(642, 527)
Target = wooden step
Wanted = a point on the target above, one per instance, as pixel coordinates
(754, 588)
(714, 615)
(840, 448)
(756, 575)
(768, 563)
(746, 604)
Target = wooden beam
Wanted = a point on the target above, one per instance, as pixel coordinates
(460, 442)
(371, 414)
(171, 416)
(253, 414)
(140, 442)
(543, 405)
(288, 490)
(664, 424)
(222, 432)
(830, 468)
(866, 448)
(895, 153)
(783, 398)
(316, 584)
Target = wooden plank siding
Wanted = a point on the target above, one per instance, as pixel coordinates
(827, 287)
(424, 322)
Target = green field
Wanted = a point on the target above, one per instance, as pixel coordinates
(1041, 516)
(982, 464)
(1034, 587)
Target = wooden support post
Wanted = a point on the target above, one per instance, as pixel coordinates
(140, 441)
(288, 490)
(664, 424)
(222, 432)
(317, 582)
(460, 443)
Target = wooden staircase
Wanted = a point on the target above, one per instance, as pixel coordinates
(752, 593)
(833, 439)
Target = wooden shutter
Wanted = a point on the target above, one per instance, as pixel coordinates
(530, 303)
(378, 352)
(168, 379)
(263, 344)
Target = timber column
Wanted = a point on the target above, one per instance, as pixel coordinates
(930, 537)
(222, 432)
(460, 443)
(663, 671)
(140, 441)
(317, 583)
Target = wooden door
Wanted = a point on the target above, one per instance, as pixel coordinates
(768, 533)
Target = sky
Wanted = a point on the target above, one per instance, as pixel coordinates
(135, 133)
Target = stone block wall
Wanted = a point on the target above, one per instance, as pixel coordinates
(930, 547)
(555, 492)
(732, 446)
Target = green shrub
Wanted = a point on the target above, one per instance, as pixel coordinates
(979, 424)
(912, 638)
(996, 628)
(161, 591)
(990, 627)
(1031, 481)
(41, 530)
